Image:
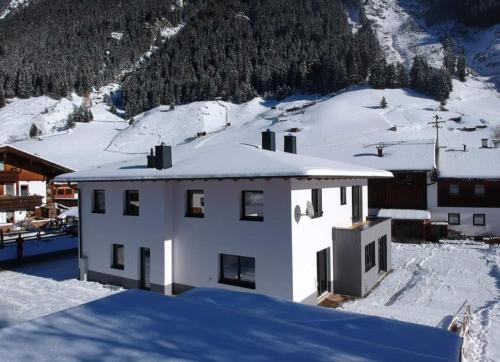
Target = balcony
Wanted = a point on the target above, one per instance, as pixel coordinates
(9, 177)
(18, 203)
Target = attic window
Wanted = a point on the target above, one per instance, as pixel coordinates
(454, 189)
(479, 190)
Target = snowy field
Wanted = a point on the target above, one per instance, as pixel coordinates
(430, 282)
(34, 247)
(39, 289)
(427, 286)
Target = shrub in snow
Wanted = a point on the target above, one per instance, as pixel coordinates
(383, 103)
(34, 131)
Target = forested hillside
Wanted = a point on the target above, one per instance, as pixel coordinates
(469, 12)
(56, 46)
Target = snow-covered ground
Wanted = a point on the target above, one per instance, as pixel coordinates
(431, 281)
(39, 289)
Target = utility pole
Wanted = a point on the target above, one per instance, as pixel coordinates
(437, 125)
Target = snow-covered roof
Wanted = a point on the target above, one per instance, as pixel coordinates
(71, 212)
(401, 214)
(475, 163)
(417, 155)
(226, 161)
(217, 325)
(10, 149)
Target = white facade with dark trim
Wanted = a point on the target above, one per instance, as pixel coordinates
(281, 253)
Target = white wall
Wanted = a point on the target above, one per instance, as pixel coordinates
(313, 235)
(150, 229)
(466, 226)
(35, 188)
(200, 241)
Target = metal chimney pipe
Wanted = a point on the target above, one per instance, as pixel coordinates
(269, 140)
(163, 157)
(465, 148)
(290, 143)
(151, 159)
(484, 142)
(380, 151)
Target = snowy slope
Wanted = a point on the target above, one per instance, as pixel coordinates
(403, 33)
(430, 282)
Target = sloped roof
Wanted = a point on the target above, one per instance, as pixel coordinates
(215, 325)
(475, 163)
(226, 161)
(31, 162)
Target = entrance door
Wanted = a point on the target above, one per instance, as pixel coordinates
(145, 269)
(323, 265)
(382, 254)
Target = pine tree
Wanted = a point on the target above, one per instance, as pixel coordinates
(442, 105)
(383, 103)
(34, 131)
(461, 68)
(2, 97)
(377, 76)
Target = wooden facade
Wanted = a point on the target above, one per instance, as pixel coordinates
(407, 190)
(18, 203)
(468, 193)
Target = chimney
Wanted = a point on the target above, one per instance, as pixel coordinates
(290, 144)
(465, 148)
(380, 151)
(268, 141)
(151, 160)
(163, 157)
(484, 142)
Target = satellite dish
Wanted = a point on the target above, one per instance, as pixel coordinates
(310, 209)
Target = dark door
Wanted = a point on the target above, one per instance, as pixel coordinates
(357, 204)
(145, 269)
(382, 254)
(323, 265)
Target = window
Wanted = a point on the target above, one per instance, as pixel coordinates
(118, 257)
(132, 202)
(454, 219)
(479, 219)
(479, 190)
(357, 204)
(60, 191)
(10, 190)
(369, 256)
(454, 189)
(237, 270)
(343, 195)
(317, 201)
(2, 166)
(69, 192)
(195, 203)
(24, 190)
(252, 205)
(99, 202)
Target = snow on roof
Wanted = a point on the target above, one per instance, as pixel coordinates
(71, 212)
(398, 155)
(481, 163)
(401, 214)
(13, 149)
(213, 325)
(226, 161)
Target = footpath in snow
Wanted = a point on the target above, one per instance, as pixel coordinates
(431, 281)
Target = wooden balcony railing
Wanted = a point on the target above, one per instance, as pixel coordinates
(9, 177)
(18, 203)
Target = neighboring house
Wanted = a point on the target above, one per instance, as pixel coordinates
(468, 190)
(435, 188)
(233, 216)
(23, 183)
(64, 194)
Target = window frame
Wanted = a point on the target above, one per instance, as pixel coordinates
(474, 220)
(126, 210)
(94, 204)
(235, 282)
(245, 217)
(343, 195)
(317, 202)
(114, 258)
(189, 203)
(454, 214)
(26, 187)
(369, 263)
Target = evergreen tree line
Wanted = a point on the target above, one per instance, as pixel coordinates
(237, 49)
(54, 47)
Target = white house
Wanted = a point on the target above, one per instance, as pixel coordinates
(233, 216)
